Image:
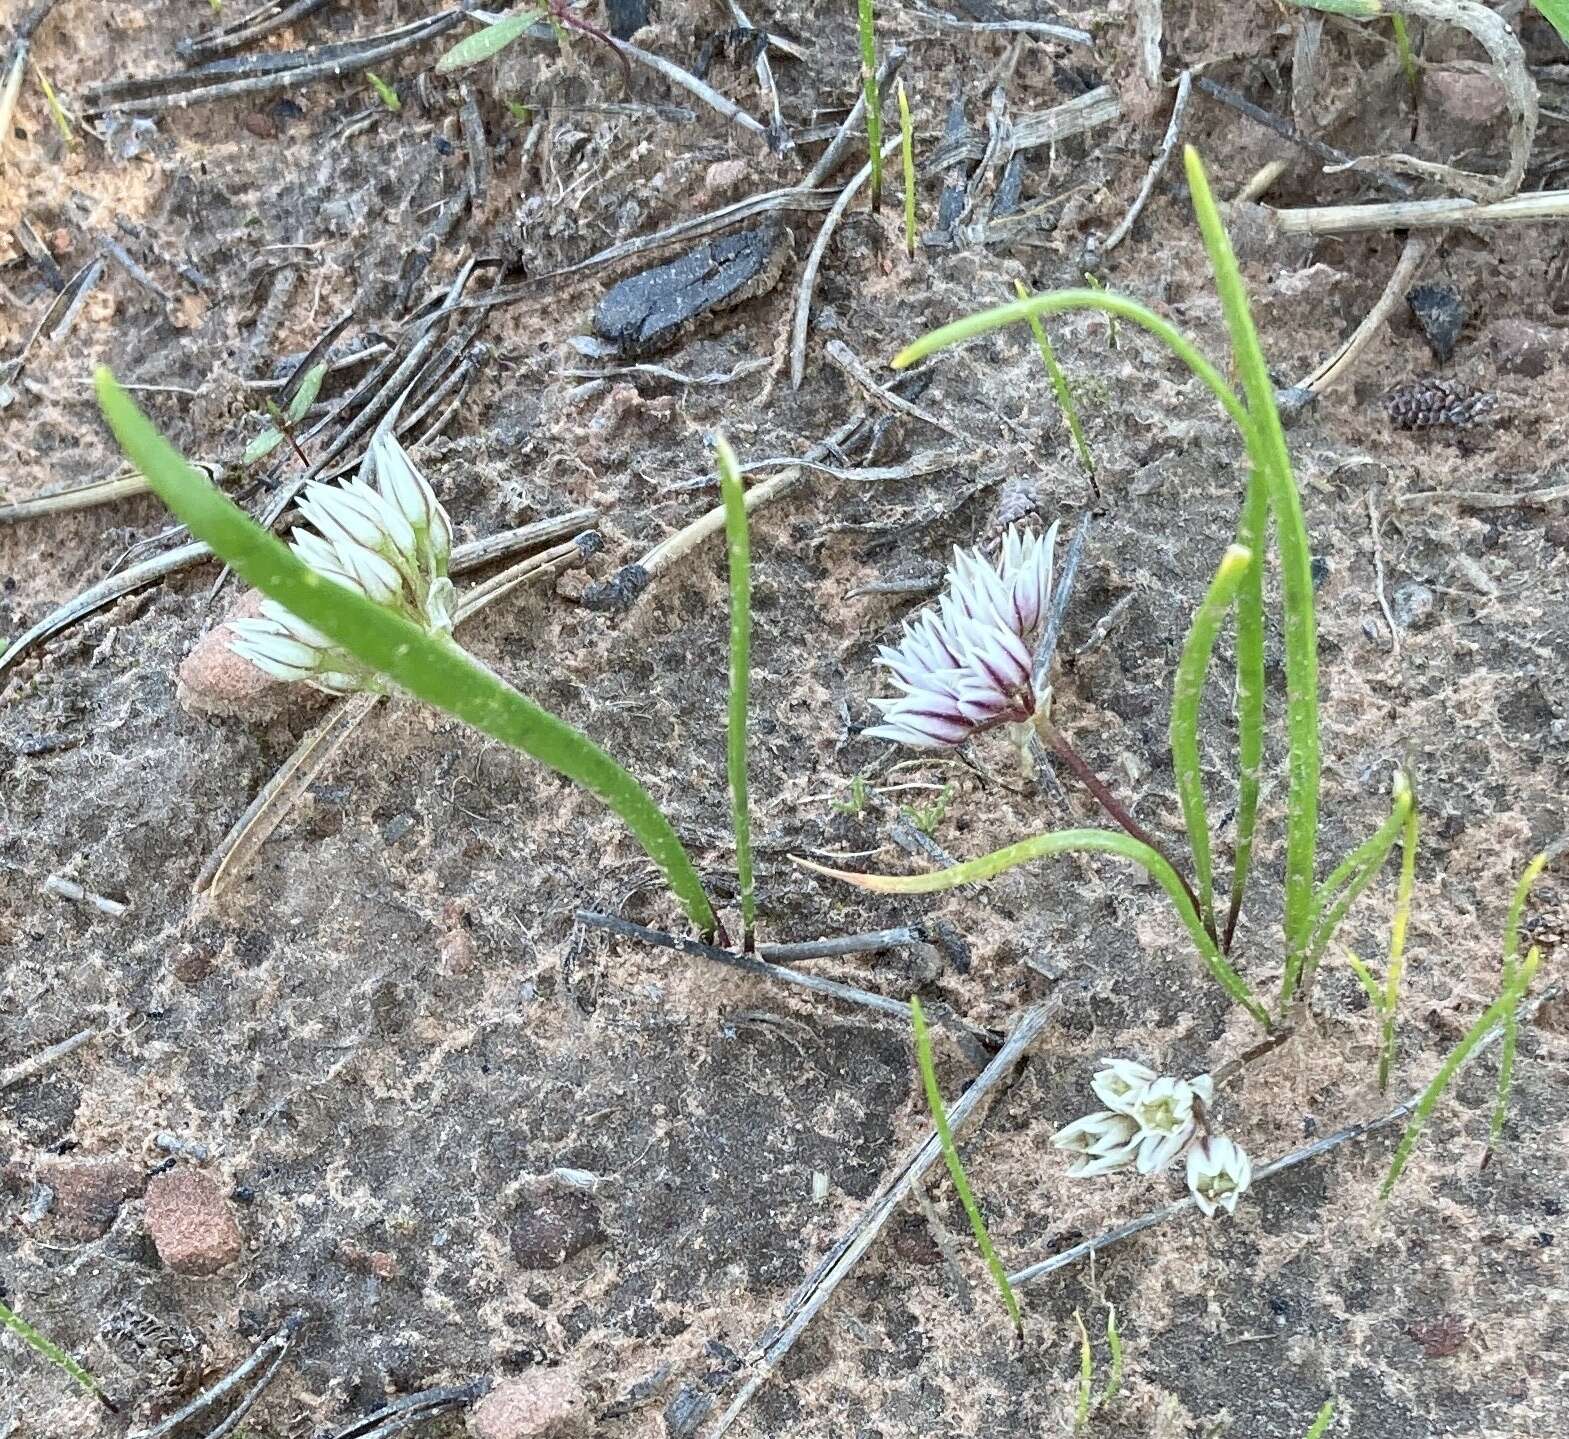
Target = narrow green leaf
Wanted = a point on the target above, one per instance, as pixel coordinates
(484, 44)
(1505, 1004)
(1373, 989)
(1113, 1343)
(1057, 302)
(56, 109)
(874, 104)
(734, 495)
(1059, 383)
(1326, 1417)
(1556, 13)
(1301, 631)
(388, 96)
(262, 446)
(1058, 842)
(1511, 1041)
(1334, 898)
(1081, 1407)
(1397, 943)
(305, 396)
(429, 667)
(1187, 690)
(51, 1351)
(923, 1054)
(1252, 534)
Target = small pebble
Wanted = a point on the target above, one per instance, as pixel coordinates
(543, 1404)
(190, 1222)
(88, 1194)
(1414, 604)
(558, 1226)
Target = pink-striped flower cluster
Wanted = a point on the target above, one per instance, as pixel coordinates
(964, 664)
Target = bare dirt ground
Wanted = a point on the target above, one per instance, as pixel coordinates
(386, 1042)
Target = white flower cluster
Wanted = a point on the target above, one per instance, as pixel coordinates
(1148, 1121)
(390, 544)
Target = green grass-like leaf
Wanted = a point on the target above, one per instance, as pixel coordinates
(1187, 690)
(1269, 454)
(56, 109)
(874, 105)
(739, 543)
(1114, 1344)
(1059, 842)
(1397, 942)
(1059, 383)
(923, 1054)
(429, 667)
(1333, 899)
(1081, 1403)
(1320, 1426)
(1511, 1041)
(51, 1351)
(1252, 534)
(907, 152)
(1556, 13)
(1495, 1014)
(485, 44)
(384, 91)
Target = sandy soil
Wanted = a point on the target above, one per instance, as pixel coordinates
(388, 1037)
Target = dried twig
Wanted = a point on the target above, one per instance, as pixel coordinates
(1338, 366)
(871, 943)
(1530, 208)
(686, 80)
(1483, 499)
(1378, 574)
(36, 1064)
(853, 128)
(835, 1266)
(1041, 29)
(1179, 109)
(402, 1414)
(58, 884)
(264, 76)
(1287, 131)
(747, 964)
(845, 359)
(803, 298)
(274, 1347)
(237, 34)
(1094, 108)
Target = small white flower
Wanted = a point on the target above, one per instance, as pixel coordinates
(1163, 1111)
(1119, 1082)
(390, 544)
(1203, 1087)
(965, 665)
(1219, 1173)
(1107, 1141)
(407, 490)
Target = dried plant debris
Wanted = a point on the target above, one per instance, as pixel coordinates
(1441, 314)
(1434, 402)
(652, 310)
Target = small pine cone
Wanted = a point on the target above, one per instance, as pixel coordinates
(1018, 501)
(1427, 403)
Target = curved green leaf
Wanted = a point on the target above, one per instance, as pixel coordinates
(1066, 841)
(484, 44)
(427, 666)
(1185, 694)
